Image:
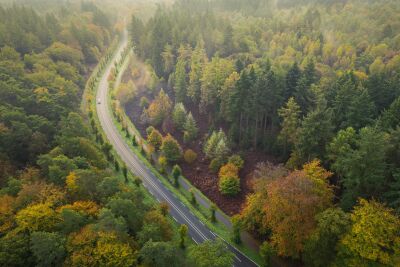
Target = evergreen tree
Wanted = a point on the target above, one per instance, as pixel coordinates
(310, 73)
(290, 115)
(227, 45)
(180, 81)
(292, 78)
(179, 116)
(314, 134)
(390, 117)
(136, 30)
(216, 146)
(303, 95)
(359, 159)
(190, 128)
(199, 58)
(352, 105)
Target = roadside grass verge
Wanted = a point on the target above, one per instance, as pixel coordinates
(202, 212)
(88, 105)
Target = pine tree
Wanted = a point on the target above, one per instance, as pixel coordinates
(179, 116)
(199, 58)
(303, 95)
(290, 115)
(310, 73)
(227, 45)
(136, 30)
(190, 128)
(314, 134)
(216, 146)
(180, 81)
(292, 78)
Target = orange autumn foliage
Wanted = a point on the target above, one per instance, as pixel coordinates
(286, 204)
(85, 207)
(228, 169)
(291, 206)
(6, 213)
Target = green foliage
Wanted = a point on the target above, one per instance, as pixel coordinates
(161, 254)
(210, 253)
(320, 248)
(290, 115)
(72, 221)
(216, 146)
(215, 165)
(180, 80)
(155, 139)
(131, 212)
(266, 253)
(48, 248)
(193, 198)
(360, 161)
(108, 222)
(213, 209)
(229, 185)
(229, 181)
(236, 160)
(314, 134)
(190, 128)
(176, 173)
(15, 250)
(179, 116)
(171, 149)
(183, 231)
(236, 228)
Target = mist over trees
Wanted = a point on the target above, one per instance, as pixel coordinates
(313, 83)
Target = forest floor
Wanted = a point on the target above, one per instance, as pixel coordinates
(198, 173)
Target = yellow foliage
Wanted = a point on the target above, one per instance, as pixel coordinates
(89, 248)
(319, 176)
(39, 192)
(39, 217)
(377, 66)
(190, 156)
(83, 207)
(71, 182)
(375, 234)
(6, 213)
(361, 75)
(110, 252)
(228, 170)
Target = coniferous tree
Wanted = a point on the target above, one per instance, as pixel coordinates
(190, 128)
(198, 59)
(179, 116)
(290, 115)
(180, 76)
(292, 78)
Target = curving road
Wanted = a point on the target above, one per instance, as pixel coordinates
(197, 230)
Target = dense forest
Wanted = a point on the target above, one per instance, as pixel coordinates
(312, 85)
(61, 201)
(284, 113)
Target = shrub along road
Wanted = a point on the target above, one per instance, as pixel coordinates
(197, 230)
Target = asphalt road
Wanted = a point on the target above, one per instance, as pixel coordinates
(179, 212)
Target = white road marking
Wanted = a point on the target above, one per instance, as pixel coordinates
(131, 159)
(238, 258)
